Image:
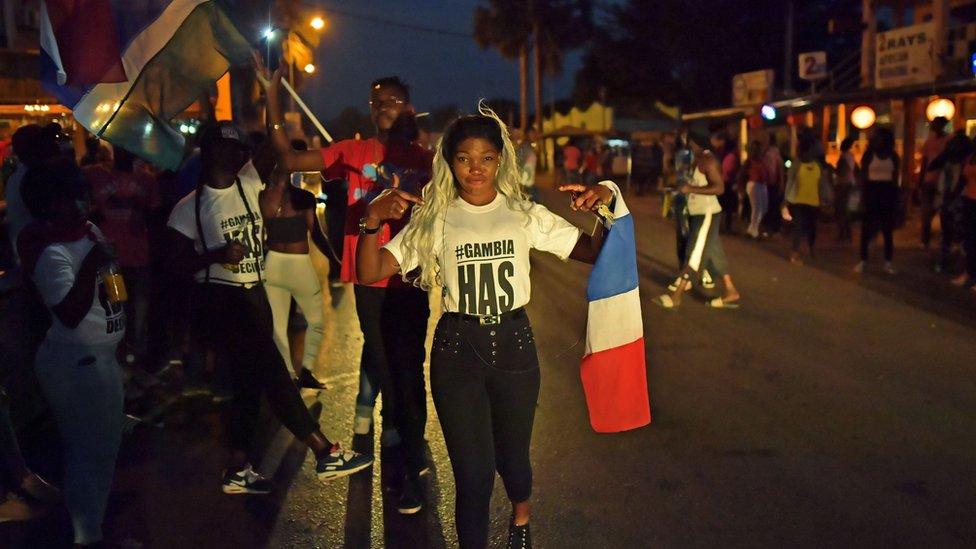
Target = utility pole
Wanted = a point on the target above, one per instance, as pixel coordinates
(788, 57)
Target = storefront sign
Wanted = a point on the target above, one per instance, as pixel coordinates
(813, 65)
(905, 56)
(752, 88)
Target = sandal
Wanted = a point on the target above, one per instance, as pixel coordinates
(720, 303)
(665, 302)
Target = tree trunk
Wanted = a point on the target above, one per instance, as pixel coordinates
(524, 87)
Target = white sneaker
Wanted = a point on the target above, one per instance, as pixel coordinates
(889, 268)
(361, 425)
(859, 268)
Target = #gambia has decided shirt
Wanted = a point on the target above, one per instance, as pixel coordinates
(483, 252)
(54, 275)
(226, 216)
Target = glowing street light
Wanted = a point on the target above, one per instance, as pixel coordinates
(863, 117)
(940, 107)
(318, 23)
(269, 33)
(310, 68)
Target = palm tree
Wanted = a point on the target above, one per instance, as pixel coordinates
(550, 27)
(503, 25)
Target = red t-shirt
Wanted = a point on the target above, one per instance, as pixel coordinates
(368, 166)
(571, 157)
(757, 171)
(123, 199)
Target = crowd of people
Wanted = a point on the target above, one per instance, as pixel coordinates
(137, 280)
(767, 193)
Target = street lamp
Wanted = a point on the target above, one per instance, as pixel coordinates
(940, 107)
(309, 68)
(318, 23)
(863, 117)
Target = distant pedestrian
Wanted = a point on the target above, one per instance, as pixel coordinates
(756, 178)
(934, 145)
(724, 149)
(845, 184)
(950, 166)
(808, 183)
(968, 199)
(880, 179)
(67, 259)
(593, 164)
(773, 160)
(704, 249)
(572, 159)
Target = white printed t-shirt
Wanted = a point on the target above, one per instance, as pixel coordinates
(54, 275)
(483, 252)
(225, 218)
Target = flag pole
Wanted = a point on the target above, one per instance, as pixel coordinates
(306, 110)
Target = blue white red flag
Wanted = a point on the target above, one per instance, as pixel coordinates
(613, 369)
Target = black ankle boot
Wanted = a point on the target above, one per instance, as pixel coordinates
(519, 537)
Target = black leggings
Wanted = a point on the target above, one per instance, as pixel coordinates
(804, 225)
(236, 324)
(880, 212)
(404, 326)
(485, 383)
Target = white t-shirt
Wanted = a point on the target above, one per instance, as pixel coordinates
(54, 275)
(483, 252)
(225, 218)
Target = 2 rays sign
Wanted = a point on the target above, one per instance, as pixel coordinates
(905, 56)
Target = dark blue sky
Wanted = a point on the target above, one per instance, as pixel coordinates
(440, 69)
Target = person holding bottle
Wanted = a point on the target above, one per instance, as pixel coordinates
(66, 258)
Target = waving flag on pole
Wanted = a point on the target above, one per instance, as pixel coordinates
(613, 369)
(128, 67)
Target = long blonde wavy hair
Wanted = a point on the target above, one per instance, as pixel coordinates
(420, 233)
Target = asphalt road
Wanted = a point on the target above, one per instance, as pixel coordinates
(829, 410)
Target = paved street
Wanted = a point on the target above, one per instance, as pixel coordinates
(827, 411)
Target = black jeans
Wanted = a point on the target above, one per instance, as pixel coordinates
(804, 225)
(880, 213)
(236, 324)
(485, 383)
(928, 196)
(404, 326)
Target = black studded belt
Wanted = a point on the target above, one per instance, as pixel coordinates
(488, 320)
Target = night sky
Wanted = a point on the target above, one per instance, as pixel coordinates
(441, 69)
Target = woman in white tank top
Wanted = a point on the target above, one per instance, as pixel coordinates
(879, 183)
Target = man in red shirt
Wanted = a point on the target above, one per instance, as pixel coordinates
(121, 200)
(392, 315)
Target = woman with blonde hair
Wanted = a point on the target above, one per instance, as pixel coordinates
(471, 233)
